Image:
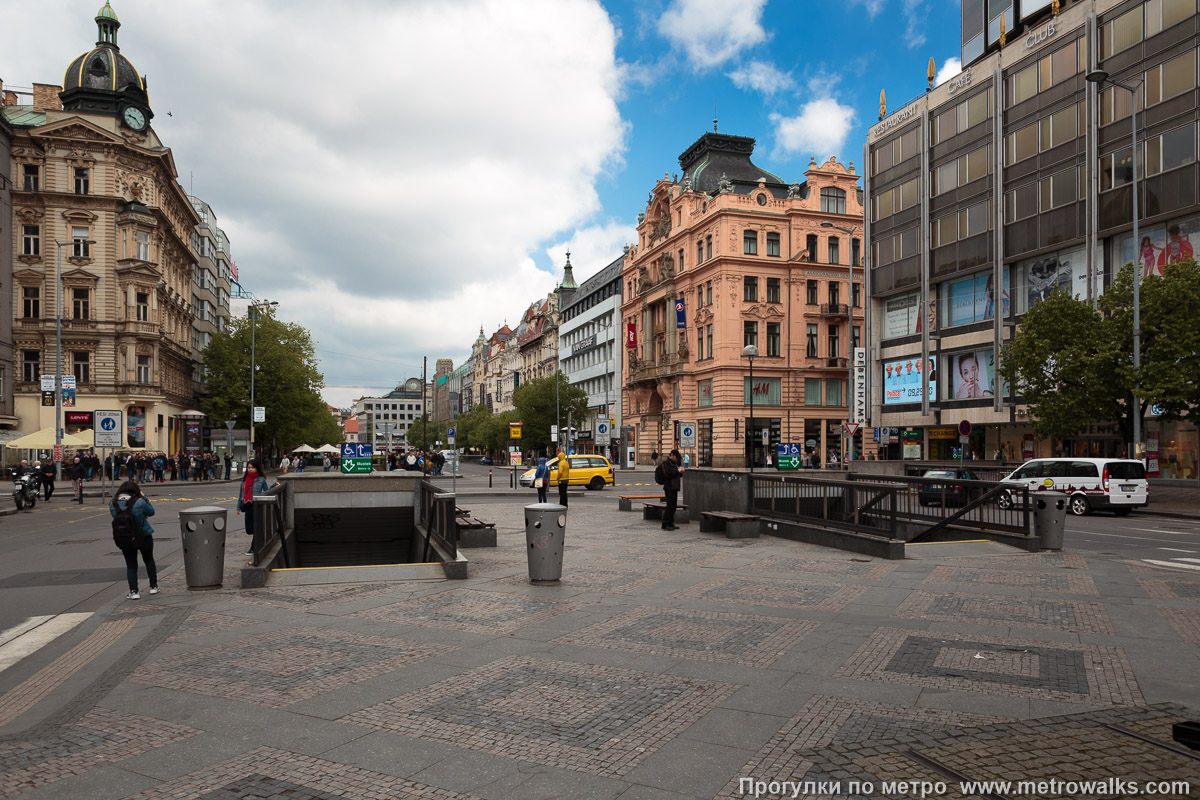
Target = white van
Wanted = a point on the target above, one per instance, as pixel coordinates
(1115, 484)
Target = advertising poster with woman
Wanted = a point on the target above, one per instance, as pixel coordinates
(135, 427)
(971, 374)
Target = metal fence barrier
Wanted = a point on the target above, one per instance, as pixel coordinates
(436, 508)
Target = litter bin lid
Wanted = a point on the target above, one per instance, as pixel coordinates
(545, 507)
(203, 510)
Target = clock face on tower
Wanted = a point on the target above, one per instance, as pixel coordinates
(134, 118)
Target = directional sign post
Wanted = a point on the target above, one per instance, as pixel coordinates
(356, 458)
(788, 456)
(108, 428)
(687, 435)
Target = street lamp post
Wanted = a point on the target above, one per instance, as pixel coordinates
(1100, 77)
(229, 426)
(58, 429)
(849, 454)
(750, 351)
(253, 366)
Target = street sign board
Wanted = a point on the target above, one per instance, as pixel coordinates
(788, 456)
(964, 428)
(58, 452)
(859, 409)
(353, 466)
(514, 430)
(47, 383)
(687, 434)
(357, 450)
(602, 429)
(450, 437)
(260, 413)
(108, 428)
(851, 428)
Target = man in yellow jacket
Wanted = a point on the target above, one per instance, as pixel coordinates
(564, 477)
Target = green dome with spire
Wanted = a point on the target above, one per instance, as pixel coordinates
(107, 12)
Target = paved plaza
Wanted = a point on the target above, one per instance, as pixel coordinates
(665, 665)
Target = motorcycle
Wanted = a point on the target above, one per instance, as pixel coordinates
(25, 491)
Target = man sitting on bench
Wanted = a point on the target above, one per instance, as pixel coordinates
(672, 475)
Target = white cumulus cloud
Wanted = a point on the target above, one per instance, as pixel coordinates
(713, 31)
(873, 6)
(592, 248)
(952, 67)
(819, 130)
(761, 77)
(915, 12)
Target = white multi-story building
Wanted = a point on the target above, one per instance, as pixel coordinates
(384, 421)
(589, 354)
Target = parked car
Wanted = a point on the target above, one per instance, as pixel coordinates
(486, 461)
(951, 494)
(1115, 484)
(594, 472)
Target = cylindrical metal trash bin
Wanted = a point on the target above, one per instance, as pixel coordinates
(203, 531)
(545, 530)
(1049, 518)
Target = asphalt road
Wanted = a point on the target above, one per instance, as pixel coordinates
(1139, 535)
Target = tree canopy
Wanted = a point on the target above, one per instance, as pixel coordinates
(536, 408)
(287, 383)
(1073, 363)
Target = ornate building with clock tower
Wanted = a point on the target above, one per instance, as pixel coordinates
(96, 190)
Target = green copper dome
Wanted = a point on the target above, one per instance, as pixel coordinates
(106, 12)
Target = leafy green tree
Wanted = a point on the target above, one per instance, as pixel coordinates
(1073, 363)
(425, 433)
(469, 427)
(535, 404)
(287, 383)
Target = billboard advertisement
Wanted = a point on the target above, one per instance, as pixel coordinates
(1038, 278)
(902, 314)
(902, 380)
(1162, 245)
(972, 299)
(971, 374)
(135, 426)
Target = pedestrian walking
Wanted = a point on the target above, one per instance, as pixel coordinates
(285, 464)
(327, 462)
(48, 479)
(254, 483)
(541, 478)
(78, 474)
(228, 465)
(160, 464)
(133, 535)
(564, 477)
(672, 478)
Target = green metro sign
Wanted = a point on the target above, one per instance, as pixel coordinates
(787, 462)
(351, 466)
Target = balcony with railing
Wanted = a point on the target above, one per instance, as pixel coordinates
(834, 309)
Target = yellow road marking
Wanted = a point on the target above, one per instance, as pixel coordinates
(953, 541)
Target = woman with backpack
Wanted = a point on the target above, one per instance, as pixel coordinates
(254, 483)
(133, 534)
(541, 477)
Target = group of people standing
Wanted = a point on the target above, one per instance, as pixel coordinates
(428, 462)
(150, 467)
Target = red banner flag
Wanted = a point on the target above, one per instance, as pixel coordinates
(631, 336)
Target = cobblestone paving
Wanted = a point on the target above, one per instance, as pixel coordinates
(1172, 588)
(833, 566)
(1041, 581)
(1060, 615)
(1013, 667)
(1062, 560)
(583, 717)
(102, 736)
(317, 596)
(597, 579)
(826, 721)
(281, 668)
(703, 635)
(269, 774)
(1184, 620)
(200, 623)
(777, 593)
(472, 611)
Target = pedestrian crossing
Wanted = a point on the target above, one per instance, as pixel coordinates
(1178, 563)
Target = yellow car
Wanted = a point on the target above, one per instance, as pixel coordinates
(594, 472)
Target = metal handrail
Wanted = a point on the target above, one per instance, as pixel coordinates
(854, 505)
(268, 518)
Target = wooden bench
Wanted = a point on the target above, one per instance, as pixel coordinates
(656, 511)
(735, 525)
(625, 502)
(474, 532)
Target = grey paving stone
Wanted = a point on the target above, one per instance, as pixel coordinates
(740, 729)
(698, 769)
(392, 754)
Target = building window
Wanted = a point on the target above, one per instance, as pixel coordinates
(1173, 149)
(699, 252)
(750, 289)
(707, 247)
(79, 241)
(895, 200)
(835, 293)
(833, 250)
(750, 243)
(812, 391)
(31, 240)
(773, 244)
(708, 337)
(143, 369)
(772, 338)
(833, 341)
(961, 171)
(699, 297)
(143, 306)
(143, 246)
(32, 296)
(81, 307)
(855, 338)
(891, 153)
(31, 366)
(749, 334)
(32, 175)
(1060, 189)
(82, 180)
(856, 295)
(967, 114)
(811, 342)
(81, 367)
(833, 392)
(700, 343)
(811, 245)
(833, 201)
(1122, 33)
(811, 291)
(1171, 79)
(708, 293)
(856, 252)
(773, 290)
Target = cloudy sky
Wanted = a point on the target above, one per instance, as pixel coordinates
(397, 173)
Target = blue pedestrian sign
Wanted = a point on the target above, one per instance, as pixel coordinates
(788, 456)
(108, 424)
(108, 428)
(356, 450)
